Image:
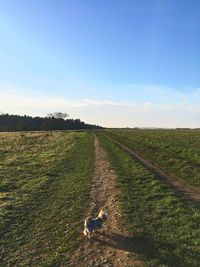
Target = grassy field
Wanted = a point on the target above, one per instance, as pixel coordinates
(45, 184)
(175, 151)
(44, 189)
(164, 227)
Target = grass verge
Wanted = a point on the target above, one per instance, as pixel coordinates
(44, 193)
(175, 151)
(164, 227)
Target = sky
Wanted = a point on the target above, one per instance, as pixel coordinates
(128, 63)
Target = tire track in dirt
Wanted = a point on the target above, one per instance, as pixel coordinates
(190, 192)
(114, 247)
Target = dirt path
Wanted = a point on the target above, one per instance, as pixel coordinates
(189, 191)
(114, 247)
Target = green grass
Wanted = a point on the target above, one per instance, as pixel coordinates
(44, 192)
(175, 151)
(164, 227)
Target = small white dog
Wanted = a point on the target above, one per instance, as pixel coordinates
(93, 224)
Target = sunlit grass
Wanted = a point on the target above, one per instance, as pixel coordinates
(175, 151)
(44, 191)
(164, 226)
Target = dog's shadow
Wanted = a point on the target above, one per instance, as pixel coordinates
(140, 245)
(115, 240)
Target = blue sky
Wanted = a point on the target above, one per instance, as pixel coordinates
(116, 63)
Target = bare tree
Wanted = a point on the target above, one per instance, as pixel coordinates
(58, 115)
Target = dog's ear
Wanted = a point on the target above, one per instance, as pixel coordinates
(101, 213)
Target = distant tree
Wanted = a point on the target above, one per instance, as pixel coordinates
(58, 115)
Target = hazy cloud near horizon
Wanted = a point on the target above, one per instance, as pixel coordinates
(174, 108)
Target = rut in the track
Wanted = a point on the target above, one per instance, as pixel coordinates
(181, 187)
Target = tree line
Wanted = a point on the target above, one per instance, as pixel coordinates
(11, 123)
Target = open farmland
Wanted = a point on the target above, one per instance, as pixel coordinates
(45, 183)
(175, 151)
(50, 181)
